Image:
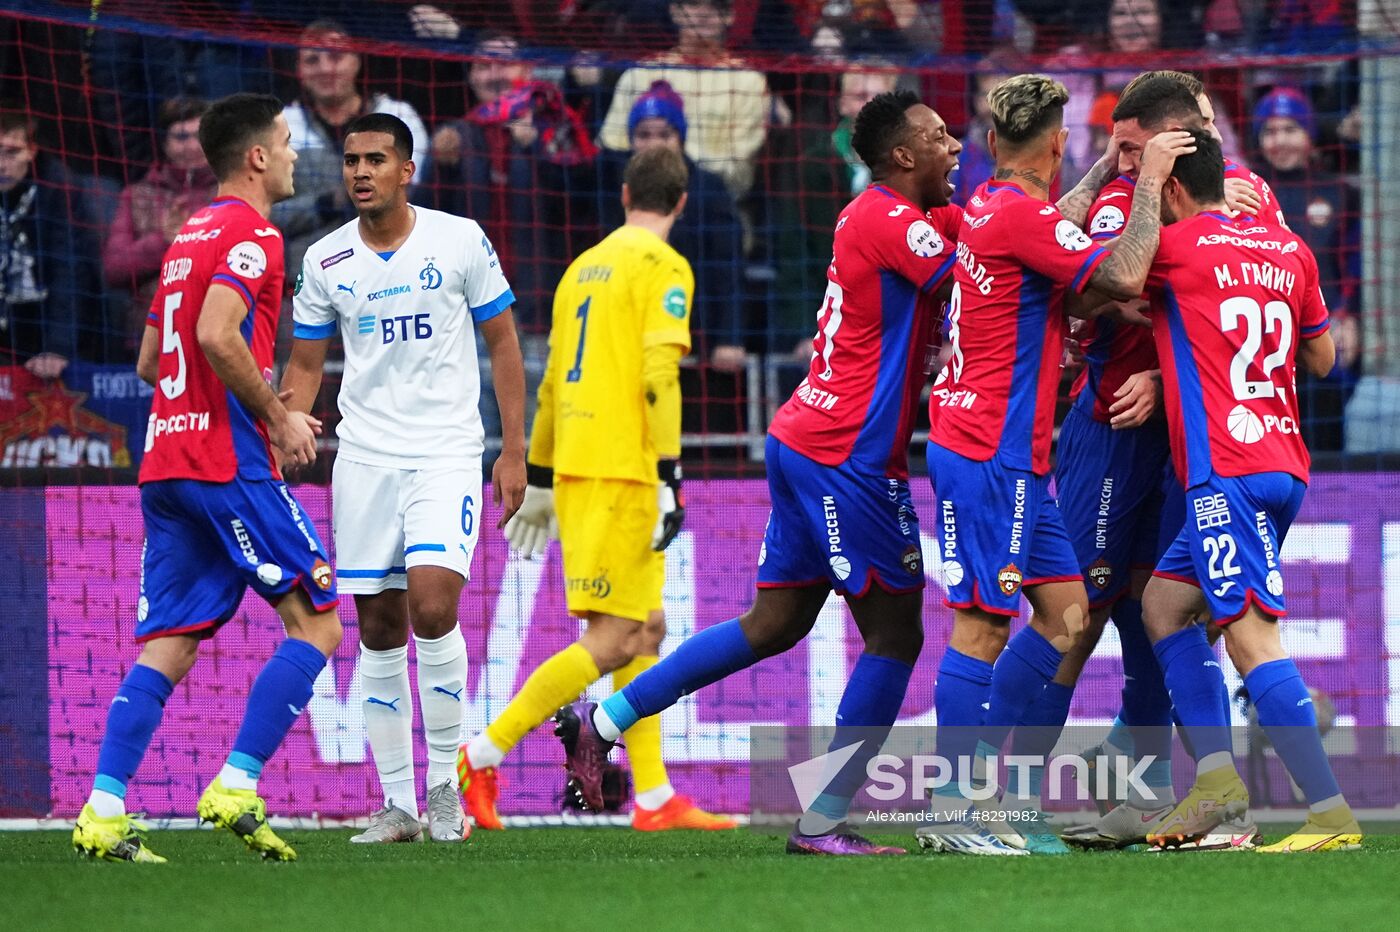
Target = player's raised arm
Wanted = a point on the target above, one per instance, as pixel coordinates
(1076, 203)
(220, 338)
(1124, 273)
(508, 378)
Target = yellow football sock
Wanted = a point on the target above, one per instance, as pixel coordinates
(642, 740)
(556, 682)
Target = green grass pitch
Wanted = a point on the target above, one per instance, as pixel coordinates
(615, 879)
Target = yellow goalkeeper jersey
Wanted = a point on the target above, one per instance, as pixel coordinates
(630, 292)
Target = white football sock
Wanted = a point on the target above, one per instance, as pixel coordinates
(656, 797)
(607, 729)
(388, 707)
(107, 805)
(236, 778)
(482, 753)
(442, 683)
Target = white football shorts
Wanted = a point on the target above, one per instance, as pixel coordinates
(388, 519)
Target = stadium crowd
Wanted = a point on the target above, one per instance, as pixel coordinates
(523, 113)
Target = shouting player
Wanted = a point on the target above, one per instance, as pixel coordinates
(993, 415)
(607, 429)
(218, 516)
(837, 471)
(408, 288)
(1234, 306)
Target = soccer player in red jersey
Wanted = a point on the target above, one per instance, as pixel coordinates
(842, 518)
(218, 516)
(1235, 305)
(993, 416)
(1121, 503)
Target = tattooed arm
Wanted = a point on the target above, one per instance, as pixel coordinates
(1075, 205)
(1124, 273)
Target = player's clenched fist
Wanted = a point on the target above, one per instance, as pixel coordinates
(534, 525)
(1161, 152)
(670, 503)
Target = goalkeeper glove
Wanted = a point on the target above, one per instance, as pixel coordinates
(530, 529)
(670, 503)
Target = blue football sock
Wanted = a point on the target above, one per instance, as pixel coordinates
(1018, 678)
(1037, 736)
(960, 698)
(1287, 716)
(131, 721)
(705, 657)
(1147, 709)
(1194, 680)
(869, 706)
(278, 696)
(1120, 736)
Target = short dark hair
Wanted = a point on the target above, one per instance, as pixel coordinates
(1202, 173)
(1187, 80)
(231, 125)
(882, 124)
(11, 120)
(1157, 102)
(179, 110)
(656, 178)
(385, 123)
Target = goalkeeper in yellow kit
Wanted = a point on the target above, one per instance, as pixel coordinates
(604, 478)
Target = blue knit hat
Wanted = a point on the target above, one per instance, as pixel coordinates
(1286, 102)
(661, 100)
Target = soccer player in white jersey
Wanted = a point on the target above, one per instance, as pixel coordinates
(407, 288)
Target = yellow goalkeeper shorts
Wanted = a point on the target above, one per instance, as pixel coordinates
(605, 528)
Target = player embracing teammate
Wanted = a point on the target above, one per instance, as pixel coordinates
(1001, 534)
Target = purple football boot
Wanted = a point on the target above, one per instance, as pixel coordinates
(839, 842)
(585, 751)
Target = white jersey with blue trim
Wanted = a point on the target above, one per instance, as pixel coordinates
(408, 320)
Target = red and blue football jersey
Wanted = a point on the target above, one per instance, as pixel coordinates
(1231, 299)
(875, 330)
(1113, 351)
(1006, 322)
(197, 428)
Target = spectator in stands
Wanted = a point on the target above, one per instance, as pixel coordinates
(328, 70)
(48, 281)
(521, 165)
(151, 211)
(1324, 210)
(708, 233)
(727, 105)
(821, 176)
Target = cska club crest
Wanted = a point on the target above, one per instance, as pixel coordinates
(913, 561)
(1009, 579)
(1100, 574)
(321, 575)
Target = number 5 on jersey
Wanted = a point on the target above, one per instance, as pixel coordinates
(173, 386)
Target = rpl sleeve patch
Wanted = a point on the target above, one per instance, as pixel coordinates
(248, 260)
(923, 240)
